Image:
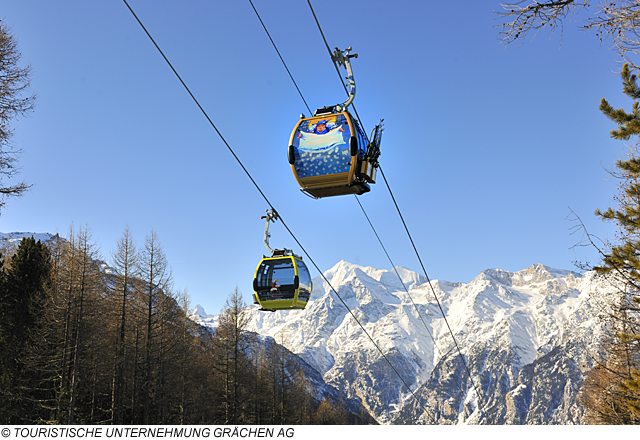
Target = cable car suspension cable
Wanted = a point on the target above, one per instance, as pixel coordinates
(336, 57)
(335, 64)
(434, 292)
(267, 200)
(281, 59)
(435, 344)
(404, 223)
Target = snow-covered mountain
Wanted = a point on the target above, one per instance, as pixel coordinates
(12, 240)
(15, 237)
(526, 338)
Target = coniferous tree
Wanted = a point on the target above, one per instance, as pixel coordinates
(234, 345)
(86, 289)
(188, 361)
(611, 390)
(169, 354)
(302, 401)
(329, 414)
(125, 263)
(63, 318)
(281, 368)
(23, 290)
(261, 407)
(75, 367)
(156, 276)
(602, 394)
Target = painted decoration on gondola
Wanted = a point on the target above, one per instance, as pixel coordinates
(321, 146)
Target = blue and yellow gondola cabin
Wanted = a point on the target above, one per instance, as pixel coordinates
(282, 282)
(328, 155)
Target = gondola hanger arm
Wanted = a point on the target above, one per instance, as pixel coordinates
(272, 216)
(342, 58)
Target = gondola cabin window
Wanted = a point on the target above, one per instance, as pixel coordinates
(280, 272)
(305, 285)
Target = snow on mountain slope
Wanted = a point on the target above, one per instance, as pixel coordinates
(15, 237)
(526, 338)
(502, 321)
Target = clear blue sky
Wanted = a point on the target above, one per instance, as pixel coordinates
(485, 147)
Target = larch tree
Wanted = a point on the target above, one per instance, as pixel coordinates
(157, 279)
(86, 287)
(617, 20)
(328, 414)
(187, 357)
(125, 263)
(281, 367)
(65, 274)
(14, 101)
(234, 346)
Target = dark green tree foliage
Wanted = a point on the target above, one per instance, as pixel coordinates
(613, 394)
(23, 290)
(628, 123)
(624, 257)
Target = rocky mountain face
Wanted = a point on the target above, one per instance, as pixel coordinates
(527, 339)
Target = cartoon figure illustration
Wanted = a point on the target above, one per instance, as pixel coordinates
(321, 135)
(321, 127)
(322, 146)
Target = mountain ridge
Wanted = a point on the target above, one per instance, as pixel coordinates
(504, 322)
(528, 338)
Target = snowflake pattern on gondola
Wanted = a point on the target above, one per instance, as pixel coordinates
(321, 146)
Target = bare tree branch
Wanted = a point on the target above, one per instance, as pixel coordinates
(14, 82)
(615, 19)
(521, 20)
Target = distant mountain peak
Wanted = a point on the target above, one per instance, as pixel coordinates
(536, 273)
(506, 324)
(343, 271)
(199, 311)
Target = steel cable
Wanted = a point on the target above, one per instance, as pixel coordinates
(265, 197)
